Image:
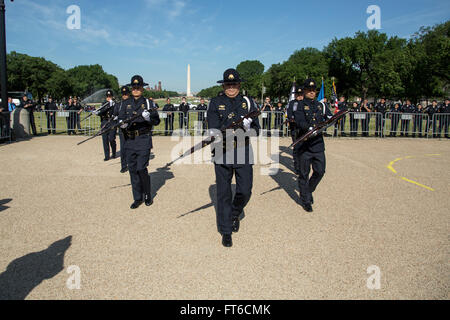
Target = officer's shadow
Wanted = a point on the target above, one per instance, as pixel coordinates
(286, 178)
(158, 179)
(25, 273)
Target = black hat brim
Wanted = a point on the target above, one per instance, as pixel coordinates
(235, 81)
(131, 84)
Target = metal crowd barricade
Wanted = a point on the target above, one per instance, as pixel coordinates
(406, 124)
(5, 129)
(170, 121)
(441, 123)
(269, 120)
(197, 122)
(354, 124)
(66, 122)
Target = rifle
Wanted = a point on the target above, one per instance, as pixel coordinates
(113, 127)
(211, 139)
(98, 110)
(319, 128)
(284, 123)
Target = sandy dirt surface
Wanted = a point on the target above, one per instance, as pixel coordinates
(61, 205)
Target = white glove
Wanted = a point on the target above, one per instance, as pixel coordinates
(146, 115)
(310, 128)
(247, 122)
(95, 112)
(115, 118)
(123, 125)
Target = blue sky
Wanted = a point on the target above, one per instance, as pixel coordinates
(158, 38)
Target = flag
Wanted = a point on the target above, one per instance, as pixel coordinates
(321, 93)
(334, 98)
(293, 91)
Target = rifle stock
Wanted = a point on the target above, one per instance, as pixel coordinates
(211, 139)
(319, 128)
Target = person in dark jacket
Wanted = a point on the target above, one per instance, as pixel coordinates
(50, 111)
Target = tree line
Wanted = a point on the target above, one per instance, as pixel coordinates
(369, 64)
(42, 77)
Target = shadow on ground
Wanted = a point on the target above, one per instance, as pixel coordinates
(2, 204)
(25, 273)
(286, 178)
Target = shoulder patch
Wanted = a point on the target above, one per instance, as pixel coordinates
(244, 105)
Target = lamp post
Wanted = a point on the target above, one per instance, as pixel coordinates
(3, 75)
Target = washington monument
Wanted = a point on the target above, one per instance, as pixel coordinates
(188, 91)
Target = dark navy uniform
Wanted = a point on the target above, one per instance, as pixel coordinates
(354, 122)
(418, 121)
(444, 118)
(406, 109)
(431, 123)
(310, 153)
(107, 119)
(201, 115)
(380, 108)
(222, 112)
(138, 142)
(50, 110)
(183, 107)
(292, 107)
(117, 109)
(168, 122)
(365, 123)
(395, 119)
(70, 123)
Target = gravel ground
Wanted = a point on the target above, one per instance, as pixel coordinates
(62, 206)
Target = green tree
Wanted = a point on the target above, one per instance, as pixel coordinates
(89, 79)
(252, 72)
(210, 92)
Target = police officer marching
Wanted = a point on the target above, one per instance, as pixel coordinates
(223, 110)
(310, 113)
(106, 116)
(125, 91)
(138, 139)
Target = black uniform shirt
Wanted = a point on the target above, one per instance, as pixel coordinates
(309, 114)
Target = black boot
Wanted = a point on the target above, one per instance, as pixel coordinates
(226, 240)
(148, 200)
(307, 207)
(236, 224)
(136, 204)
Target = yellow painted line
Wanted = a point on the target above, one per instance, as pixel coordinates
(391, 167)
(418, 184)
